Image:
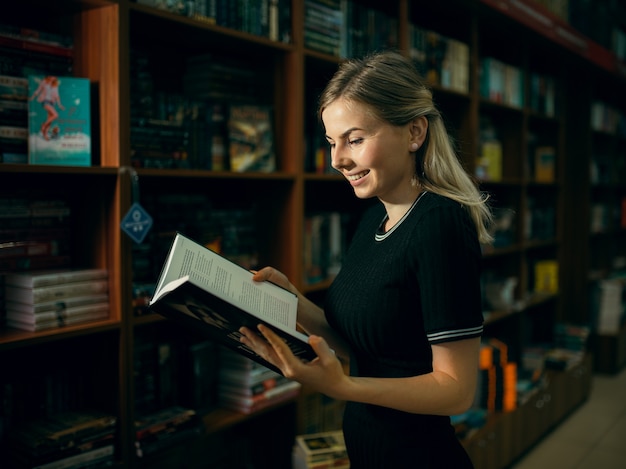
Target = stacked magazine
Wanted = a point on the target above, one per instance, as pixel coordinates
(320, 451)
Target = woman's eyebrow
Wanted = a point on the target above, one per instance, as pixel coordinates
(345, 134)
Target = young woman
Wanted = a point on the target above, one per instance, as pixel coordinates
(406, 306)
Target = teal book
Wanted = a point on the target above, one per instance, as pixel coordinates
(59, 121)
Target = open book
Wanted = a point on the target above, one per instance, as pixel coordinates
(212, 295)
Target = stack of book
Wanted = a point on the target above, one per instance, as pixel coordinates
(166, 428)
(320, 451)
(246, 386)
(47, 299)
(70, 439)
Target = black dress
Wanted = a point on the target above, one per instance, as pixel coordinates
(396, 294)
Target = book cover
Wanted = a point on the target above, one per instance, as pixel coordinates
(251, 138)
(59, 120)
(215, 297)
(545, 161)
(546, 276)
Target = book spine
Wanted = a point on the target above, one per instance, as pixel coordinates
(61, 316)
(36, 46)
(58, 292)
(69, 321)
(35, 280)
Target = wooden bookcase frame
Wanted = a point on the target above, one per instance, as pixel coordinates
(104, 31)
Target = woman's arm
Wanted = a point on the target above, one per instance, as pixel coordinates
(448, 390)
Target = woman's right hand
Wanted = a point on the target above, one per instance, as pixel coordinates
(270, 274)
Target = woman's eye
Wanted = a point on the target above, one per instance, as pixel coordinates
(355, 141)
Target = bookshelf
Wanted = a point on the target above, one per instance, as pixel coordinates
(606, 224)
(542, 218)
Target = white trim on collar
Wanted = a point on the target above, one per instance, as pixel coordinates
(381, 235)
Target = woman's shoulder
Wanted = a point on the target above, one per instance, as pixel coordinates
(432, 199)
(443, 208)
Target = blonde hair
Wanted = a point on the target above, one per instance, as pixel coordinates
(391, 87)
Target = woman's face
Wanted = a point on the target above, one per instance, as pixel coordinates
(372, 155)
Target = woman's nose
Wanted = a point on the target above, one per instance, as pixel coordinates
(337, 159)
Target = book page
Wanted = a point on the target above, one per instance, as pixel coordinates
(228, 281)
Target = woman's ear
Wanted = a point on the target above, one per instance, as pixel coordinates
(418, 129)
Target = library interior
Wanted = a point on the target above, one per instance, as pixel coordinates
(126, 122)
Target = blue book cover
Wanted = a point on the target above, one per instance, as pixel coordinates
(59, 121)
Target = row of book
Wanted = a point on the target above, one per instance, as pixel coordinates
(608, 216)
(442, 61)
(172, 371)
(501, 82)
(34, 231)
(64, 440)
(540, 163)
(344, 28)
(35, 234)
(605, 117)
(340, 29)
(324, 244)
(214, 122)
(542, 94)
(165, 428)
(201, 375)
(45, 113)
(266, 18)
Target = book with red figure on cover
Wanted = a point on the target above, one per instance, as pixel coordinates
(59, 121)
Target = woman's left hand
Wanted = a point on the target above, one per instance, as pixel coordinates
(325, 373)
